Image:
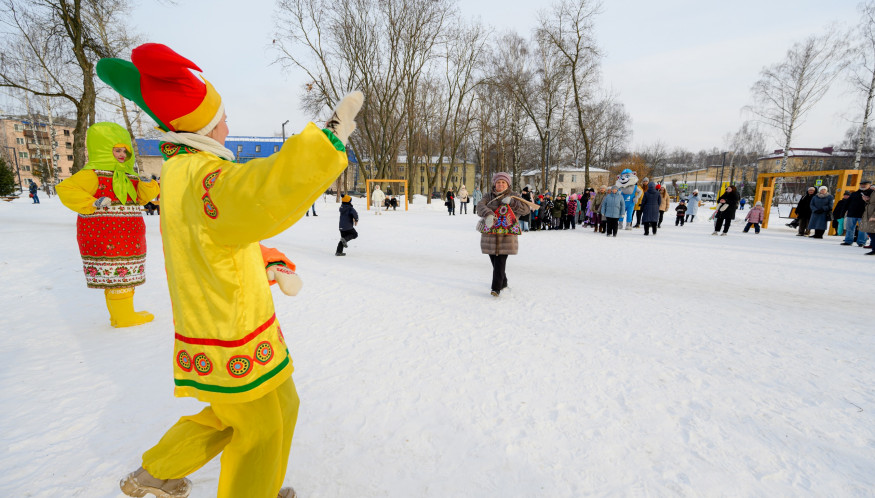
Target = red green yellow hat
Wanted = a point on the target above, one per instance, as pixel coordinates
(162, 83)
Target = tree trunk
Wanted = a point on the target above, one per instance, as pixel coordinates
(866, 114)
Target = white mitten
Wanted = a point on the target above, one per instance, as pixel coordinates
(490, 220)
(507, 200)
(290, 283)
(342, 120)
(102, 202)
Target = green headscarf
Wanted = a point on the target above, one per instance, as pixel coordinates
(99, 141)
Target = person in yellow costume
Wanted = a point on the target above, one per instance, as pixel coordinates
(110, 230)
(229, 350)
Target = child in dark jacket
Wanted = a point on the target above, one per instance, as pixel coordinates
(681, 212)
(349, 218)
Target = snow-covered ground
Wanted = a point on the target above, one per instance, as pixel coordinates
(675, 365)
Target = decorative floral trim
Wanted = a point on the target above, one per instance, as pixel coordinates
(169, 149)
(183, 359)
(263, 352)
(202, 364)
(239, 366)
(210, 179)
(209, 208)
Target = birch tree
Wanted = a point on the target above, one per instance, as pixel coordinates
(862, 72)
(787, 90)
(569, 30)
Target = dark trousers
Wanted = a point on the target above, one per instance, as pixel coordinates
(818, 234)
(659, 223)
(346, 235)
(638, 218)
(722, 222)
(803, 224)
(314, 210)
(648, 225)
(499, 277)
(569, 220)
(756, 227)
(463, 208)
(679, 220)
(611, 225)
(690, 217)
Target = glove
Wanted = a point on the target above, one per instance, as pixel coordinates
(342, 120)
(506, 200)
(102, 202)
(145, 178)
(490, 220)
(289, 282)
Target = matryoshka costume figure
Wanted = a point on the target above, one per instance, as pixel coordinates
(229, 350)
(110, 230)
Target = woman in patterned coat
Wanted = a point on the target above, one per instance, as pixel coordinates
(501, 228)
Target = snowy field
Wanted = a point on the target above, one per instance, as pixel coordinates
(675, 365)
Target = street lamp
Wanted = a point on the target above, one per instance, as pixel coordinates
(17, 168)
(284, 131)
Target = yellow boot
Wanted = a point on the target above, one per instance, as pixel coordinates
(120, 303)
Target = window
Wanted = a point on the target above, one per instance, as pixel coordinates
(19, 141)
(239, 149)
(258, 148)
(560, 191)
(561, 179)
(69, 157)
(422, 169)
(400, 168)
(18, 127)
(276, 148)
(66, 133)
(573, 179)
(402, 177)
(456, 169)
(68, 145)
(26, 168)
(22, 155)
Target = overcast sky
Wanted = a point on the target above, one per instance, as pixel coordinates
(682, 68)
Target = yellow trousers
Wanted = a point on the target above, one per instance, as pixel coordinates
(254, 439)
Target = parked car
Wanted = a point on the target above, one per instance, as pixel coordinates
(707, 196)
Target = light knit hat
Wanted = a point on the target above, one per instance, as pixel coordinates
(501, 175)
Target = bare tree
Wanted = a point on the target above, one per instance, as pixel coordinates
(384, 48)
(786, 91)
(569, 29)
(116, 40)
(862, 73)
(56, 41)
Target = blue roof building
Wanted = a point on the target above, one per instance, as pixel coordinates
(244, 148)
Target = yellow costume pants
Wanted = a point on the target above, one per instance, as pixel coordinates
(254, 439)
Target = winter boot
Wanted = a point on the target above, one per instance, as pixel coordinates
(343, 242)
(287, 492)
(140, 482)
(338, 253)
(120, 303)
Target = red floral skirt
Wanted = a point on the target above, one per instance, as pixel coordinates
(112, 242)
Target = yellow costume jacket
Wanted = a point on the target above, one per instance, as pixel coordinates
(229, 346)
(79, 191)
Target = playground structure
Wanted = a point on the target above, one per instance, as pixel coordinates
(383, 180)
(848, 180)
